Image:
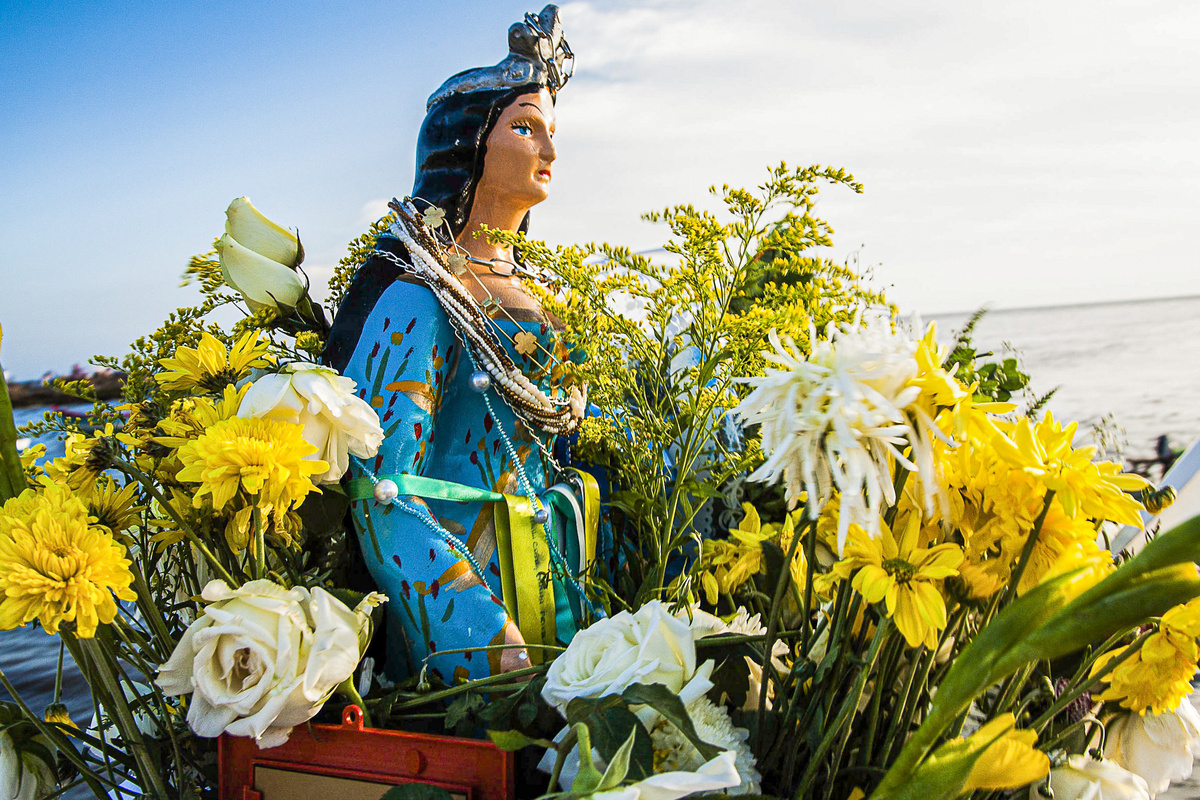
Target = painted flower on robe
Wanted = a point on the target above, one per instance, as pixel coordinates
(903, 575)
(1158, 677)
(839, 418)
(23, 775)
(258, 258)
(650, 646)
(56, 567)
(264, 458)
(336, 421)
(210, 367)
(1085, 778)
(262, 659)
(1161, 748)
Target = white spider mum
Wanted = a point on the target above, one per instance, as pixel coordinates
(837, 418)
(673, 751)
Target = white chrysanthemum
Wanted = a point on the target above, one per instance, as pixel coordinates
(837, 418)
(673, 751)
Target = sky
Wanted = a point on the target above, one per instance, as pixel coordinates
(1014, 154)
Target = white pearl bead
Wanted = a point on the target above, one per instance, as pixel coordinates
(386, 491)
(481, 381)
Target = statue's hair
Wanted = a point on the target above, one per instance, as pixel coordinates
(452, 147)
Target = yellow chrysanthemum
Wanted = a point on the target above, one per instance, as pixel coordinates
(210, 367)
(264, 458)
(905, 576)
(1158, 677)
(1097, 490)
(57, 568)
(190, 417)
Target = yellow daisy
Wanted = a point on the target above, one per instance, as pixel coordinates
(85, 460)
(113, 507)
(904, 576)
(209, 367)
(265, 458)
(57, 568)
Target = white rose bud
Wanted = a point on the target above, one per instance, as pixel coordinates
(650, 646)
(258, 258)
(1085, 778)
(262, 659)
(1160, 748)
(255, 232)
(335, 420)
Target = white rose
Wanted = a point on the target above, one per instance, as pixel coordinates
(258, 258)
(335, 420)
(1085, 778)
(262, 659)
(651, 646)
(23, 776)
(1158, 747)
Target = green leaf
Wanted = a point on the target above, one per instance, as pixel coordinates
(461, 708)
(667, 703)
(612, 730)
(618, 765)
(515, 740)
(416, 791)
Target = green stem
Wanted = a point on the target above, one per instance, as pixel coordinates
(1027, 551)
(768, 668)
(842, 723)
(442, 694)
(58, 739)
(149, 776)
(1069, 696)
(191, 536)
(260, 545)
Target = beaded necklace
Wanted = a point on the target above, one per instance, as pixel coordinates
(429, 263)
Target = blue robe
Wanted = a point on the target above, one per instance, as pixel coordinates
(410, 366)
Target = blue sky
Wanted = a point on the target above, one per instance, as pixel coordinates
(1024, 153)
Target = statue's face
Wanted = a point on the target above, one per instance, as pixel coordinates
(520, 150)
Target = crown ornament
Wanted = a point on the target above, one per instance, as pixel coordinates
(538, 53)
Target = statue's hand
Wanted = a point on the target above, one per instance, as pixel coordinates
(514, 657)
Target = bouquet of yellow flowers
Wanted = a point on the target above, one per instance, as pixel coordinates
(842, 566)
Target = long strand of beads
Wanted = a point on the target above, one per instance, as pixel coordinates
(536, 502)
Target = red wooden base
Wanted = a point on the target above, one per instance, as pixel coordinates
(349, 762)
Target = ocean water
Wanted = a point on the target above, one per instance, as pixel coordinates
(1136, 362)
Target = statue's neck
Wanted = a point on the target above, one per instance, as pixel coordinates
(494, 216)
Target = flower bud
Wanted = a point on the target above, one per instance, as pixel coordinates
(255, 232)
(261, 280)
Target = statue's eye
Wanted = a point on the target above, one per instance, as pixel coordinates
(522, 129)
